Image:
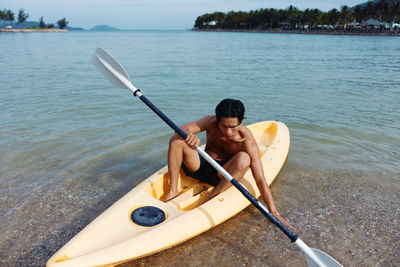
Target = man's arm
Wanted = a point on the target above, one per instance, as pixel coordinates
(193, 128)
(258, 174)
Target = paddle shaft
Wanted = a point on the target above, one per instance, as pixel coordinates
(207, 157)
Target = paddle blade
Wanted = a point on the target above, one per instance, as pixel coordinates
(324, 258)
(111, 69)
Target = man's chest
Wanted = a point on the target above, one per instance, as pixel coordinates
(218, 143)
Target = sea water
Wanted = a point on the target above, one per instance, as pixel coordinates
(71, 143)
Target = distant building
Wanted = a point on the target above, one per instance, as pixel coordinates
(284, 25)
(211, 23)
(395, 25)
(371, 23)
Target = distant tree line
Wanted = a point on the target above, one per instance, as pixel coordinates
(8, 15)
(293, 18)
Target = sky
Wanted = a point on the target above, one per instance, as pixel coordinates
(149, 14)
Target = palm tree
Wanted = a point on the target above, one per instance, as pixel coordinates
(62, 23)
(22, 16)
(345, 16)
(41, 23)
(7, 15)
(359, 13)
(333, 16)
(381, 9)
(316, 17)
(292, 19)
(370, 10)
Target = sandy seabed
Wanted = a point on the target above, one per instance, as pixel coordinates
(351, 215)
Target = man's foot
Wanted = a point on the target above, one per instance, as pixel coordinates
(170, 195)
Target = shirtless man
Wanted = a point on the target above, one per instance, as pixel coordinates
(229, 142)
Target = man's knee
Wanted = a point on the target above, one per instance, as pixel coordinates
(178, 144)
(173, 141)
(243, 160)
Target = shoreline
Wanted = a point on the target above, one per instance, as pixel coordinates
(320, 32)
(33, 30)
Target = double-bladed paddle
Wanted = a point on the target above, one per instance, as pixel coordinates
(116, 74)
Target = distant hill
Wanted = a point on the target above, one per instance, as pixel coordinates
(104, 28)
(376, 1)
(16, 25)
(75, 28)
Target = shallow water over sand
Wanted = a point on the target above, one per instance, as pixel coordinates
(334, 211)
(71, 144)
(352, 216)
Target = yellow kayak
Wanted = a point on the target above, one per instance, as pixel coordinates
(140, 224)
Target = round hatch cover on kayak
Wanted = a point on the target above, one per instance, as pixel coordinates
(148, 216)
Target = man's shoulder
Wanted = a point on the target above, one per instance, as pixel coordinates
(211, 118)
(246, 131)
(248, 136)
(206, 123)
(208, 120)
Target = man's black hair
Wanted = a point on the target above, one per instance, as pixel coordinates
(230, 108)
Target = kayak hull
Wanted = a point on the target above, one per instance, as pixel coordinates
(114, 237)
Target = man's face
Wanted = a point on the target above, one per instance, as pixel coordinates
(229, 127)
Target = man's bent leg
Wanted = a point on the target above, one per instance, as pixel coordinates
(179, 152)
(237, 167)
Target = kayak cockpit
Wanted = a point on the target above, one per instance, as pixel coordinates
(191, 191)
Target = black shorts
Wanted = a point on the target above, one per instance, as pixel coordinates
(206, 172)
